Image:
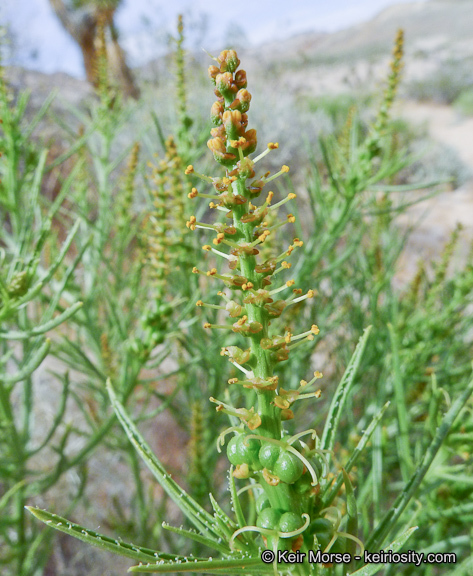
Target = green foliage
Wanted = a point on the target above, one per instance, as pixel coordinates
(382, 447)
(464, 102)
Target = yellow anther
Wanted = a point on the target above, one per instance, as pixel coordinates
(189, 169)
(311, 293)
(199, 303)
(290, 283)
(238, 143)
(212, 272)
(207, 247)
(291, 196)
(195, 270)
(286, 265)
(314, 329)
(207, 325)
(284, 169)
(291, 218)
(193, 193)
(264, 235)
(191, 223)
(269, 198)
(273, 145)
(318, 374)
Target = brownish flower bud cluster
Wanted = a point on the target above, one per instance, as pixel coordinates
(228, 113)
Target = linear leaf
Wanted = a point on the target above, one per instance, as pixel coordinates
(31, 365)
(192, 535)
(201, 519)
(98, 540)
(333, 418)
(405, 496)
(208, 566)
(370, 569)
(352, 523)
(16, 335)
(335, 487)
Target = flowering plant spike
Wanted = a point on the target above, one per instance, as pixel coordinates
(287, 470)
(295, 503)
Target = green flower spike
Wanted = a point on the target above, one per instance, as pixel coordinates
(273, 459)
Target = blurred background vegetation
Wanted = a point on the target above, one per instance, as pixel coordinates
(93, 199)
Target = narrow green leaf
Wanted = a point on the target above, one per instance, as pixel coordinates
(9, 493)
(335, 487)
(338, 402)
(39, 115)
(201, 519)
(64, 249)
(398, 507)
(395, 546)
(191, 535)
(99, 540)
(352, 523)
(236, 501)
(16, 335)
(30, 366)
(208, 566)
(225, 524)
(404, 449)
(75, 147)
(407, 187)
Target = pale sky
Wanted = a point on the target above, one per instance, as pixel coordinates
(41, 43)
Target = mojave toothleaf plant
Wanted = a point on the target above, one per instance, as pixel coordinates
(297, 504)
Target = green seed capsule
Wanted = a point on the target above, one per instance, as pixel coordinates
(241, 451)
(288, 467)
(262, 503)
(269, 519)
(319, 525)
(290, 521)
(268, 455)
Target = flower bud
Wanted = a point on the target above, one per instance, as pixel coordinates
(228, 60)
(213, 71)
(240, 79)
(216, 113)
(245, 98)
(219, 132)
(217, 145)
(225, 84)
(232, 118)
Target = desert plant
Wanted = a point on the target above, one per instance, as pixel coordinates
(293, 499)
(26, 237)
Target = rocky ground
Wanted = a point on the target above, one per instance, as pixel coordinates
(438, 216)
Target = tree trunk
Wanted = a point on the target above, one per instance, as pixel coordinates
(82, 25)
